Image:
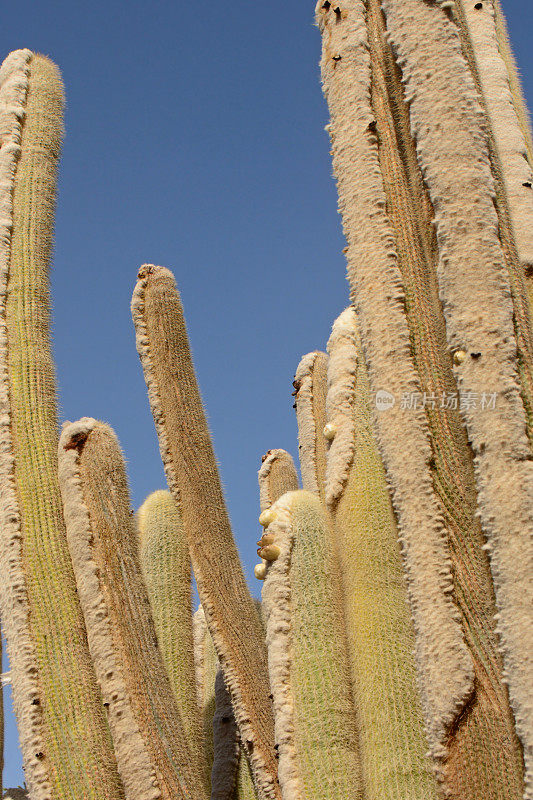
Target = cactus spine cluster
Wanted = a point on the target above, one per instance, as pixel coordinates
(392, 655)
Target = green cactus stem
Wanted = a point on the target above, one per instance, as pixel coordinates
(316, 730)
(193, 478)
(310, 386)
(66, 746)
(244, 789)
(153, 755)
(380, 630)
(166, 569)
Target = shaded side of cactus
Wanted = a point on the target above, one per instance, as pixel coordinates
(310, 384)
(316, 727)
(192, 475)
(150, 742)
(443, 662)
(166, 568)
(380, 632)
(226, 744)
(65, 741)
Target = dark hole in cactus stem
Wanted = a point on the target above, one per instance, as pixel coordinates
(475, 356)
(226, 719)
(36, 701)
(337, 58)
(527, 184)
(478, 5)
(326, 5)
(39, 755)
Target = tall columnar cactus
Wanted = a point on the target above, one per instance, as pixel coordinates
(63, 731)
(386, 575)
(316, 725)
(192, 476)
(410, 147)
(154, 755)
(166, 567)
(378, 625)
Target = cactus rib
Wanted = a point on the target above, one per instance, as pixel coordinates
(402, 433)
(474, 287)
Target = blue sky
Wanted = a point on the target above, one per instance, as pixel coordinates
(195, 140)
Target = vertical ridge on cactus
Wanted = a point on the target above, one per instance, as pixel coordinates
(316, 727)
(380, 633)
(310, 383)
(166, 568)
(475, 292)
(444, 663)
(488, 718)
(192, 475)
(511, 172)
(65, 742)
(507, 141)
(150, 742)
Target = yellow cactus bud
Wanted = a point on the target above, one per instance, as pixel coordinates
(260, 571)
(270, 552)
(266, 517)
(329, 431)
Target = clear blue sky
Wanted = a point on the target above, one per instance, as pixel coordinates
(195, 140)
